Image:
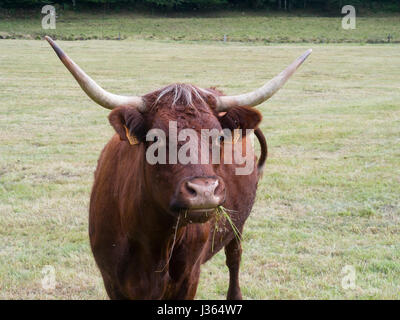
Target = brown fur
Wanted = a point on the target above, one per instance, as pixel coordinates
(131, 227)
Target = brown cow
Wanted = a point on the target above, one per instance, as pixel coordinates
(151, 226)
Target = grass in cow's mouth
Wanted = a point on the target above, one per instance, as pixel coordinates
(222, 214)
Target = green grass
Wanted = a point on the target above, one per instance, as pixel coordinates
(244, 27)
(329, 197)
(223, 215)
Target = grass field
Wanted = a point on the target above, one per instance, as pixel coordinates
(244, 27)
(330, 195)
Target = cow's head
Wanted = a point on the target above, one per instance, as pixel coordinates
(182, 122)
(186, 181)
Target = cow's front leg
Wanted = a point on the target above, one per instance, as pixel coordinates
(233, 253)
(183, 287)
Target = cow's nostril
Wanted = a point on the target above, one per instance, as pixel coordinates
(202, 193)
(191, 190)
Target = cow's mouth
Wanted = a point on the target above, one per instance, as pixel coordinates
(200, 215)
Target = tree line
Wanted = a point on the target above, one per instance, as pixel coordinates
(285, 5)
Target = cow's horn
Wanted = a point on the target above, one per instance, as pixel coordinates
(262, 94)
(93, 90)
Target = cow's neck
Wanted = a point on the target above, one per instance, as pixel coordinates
(156, 234)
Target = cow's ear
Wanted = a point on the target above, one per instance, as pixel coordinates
(129, 124)
(240, 118)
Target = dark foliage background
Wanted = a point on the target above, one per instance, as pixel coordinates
(179, 5)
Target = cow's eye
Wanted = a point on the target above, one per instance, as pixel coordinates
(219, 140)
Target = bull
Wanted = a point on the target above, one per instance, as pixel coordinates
(152, 225)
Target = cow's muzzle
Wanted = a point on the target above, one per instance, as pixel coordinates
(197, 198)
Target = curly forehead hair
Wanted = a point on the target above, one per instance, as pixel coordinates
(183, 95)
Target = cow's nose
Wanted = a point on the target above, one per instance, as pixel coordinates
(201, 193)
